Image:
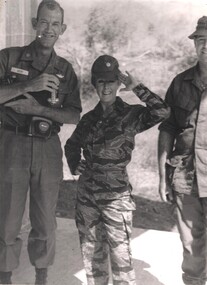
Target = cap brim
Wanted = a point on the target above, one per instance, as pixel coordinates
(198, 33)
(107, 75)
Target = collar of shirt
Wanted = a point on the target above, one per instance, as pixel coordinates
(29, 54)
(194, 76)
(118, 106)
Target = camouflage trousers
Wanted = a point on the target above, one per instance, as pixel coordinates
(105, 234)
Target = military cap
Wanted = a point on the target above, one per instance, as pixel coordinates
(201, 29)
(105, 67)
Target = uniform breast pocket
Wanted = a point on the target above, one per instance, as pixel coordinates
(19, 77)
(115, 144)
(19, 73)
(13, 77)
(183, 115)
(185, 106)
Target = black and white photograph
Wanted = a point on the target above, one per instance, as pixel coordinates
(103, 142)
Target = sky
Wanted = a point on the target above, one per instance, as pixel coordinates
(199, 5)
(88, 2)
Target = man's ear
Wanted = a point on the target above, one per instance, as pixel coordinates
(64, 27)
(34, 23)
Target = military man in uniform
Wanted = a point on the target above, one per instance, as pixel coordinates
(183, 159)
(38, 93)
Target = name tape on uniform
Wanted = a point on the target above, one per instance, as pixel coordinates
(19, 71)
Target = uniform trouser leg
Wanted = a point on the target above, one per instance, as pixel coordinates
(36, 164)
(118, 226)
(94, 247)
(103, 233)
(46, 175)
(14, 184)
(192, 225)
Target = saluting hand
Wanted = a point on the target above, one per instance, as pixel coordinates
(128, 80)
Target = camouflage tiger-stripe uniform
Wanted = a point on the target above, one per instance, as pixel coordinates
(104, 200)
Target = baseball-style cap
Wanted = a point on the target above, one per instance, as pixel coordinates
(105, 67)
(201, 29)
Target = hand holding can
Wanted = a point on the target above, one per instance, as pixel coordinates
(54, 94)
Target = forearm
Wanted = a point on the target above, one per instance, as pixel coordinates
(156, 105)
(8, 92)
(60, 115)
(165, 147)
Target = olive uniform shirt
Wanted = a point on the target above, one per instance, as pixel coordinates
(187, 165)
(20, 64)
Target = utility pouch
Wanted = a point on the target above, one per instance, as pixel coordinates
(40, 127)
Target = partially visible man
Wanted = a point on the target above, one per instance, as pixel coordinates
(183, 159)
(38, 93)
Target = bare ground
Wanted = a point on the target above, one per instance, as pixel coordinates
(151, 212)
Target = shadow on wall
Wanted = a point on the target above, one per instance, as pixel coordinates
(149, 214)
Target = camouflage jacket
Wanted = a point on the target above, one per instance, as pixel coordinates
(106, 141)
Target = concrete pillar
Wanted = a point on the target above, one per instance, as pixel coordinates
(2, 24)
(16, 30)
(18, 21)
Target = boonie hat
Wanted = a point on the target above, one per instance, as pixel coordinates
(105, 67)
(201, 29)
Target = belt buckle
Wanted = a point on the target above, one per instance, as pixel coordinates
(40, 127)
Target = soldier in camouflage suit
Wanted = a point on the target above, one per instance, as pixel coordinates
(104, 200)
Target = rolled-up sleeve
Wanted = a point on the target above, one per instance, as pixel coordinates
(155, 111)
(72, 100)
(169, 125)
(4, 56)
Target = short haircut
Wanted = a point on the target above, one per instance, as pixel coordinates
(51, 5)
